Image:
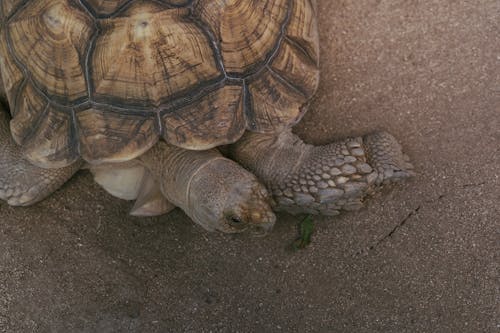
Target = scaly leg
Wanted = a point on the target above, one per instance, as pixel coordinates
(321, 179)
(22, 183)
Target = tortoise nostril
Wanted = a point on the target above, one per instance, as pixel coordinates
(256, 216)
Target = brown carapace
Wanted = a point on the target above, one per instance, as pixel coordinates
(105, 79)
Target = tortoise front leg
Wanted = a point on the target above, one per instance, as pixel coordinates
(22, 183)
(321, 179)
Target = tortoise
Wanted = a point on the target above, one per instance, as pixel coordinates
(143, 93)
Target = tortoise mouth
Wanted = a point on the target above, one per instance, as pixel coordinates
(258, 221)
(262, 230)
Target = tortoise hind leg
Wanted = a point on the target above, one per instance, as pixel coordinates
(322, 179)
(22, 183)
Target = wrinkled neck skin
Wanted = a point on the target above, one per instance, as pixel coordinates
(272, 157)
(164, 161)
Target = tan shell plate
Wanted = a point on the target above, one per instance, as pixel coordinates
(104, 79)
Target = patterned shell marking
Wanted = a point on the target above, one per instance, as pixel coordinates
(103, 80)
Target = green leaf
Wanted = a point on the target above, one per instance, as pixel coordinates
(306, 229)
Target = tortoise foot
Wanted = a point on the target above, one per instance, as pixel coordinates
(338, 176)
(322, 179)
(386, 156)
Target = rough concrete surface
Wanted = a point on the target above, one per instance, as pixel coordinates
(423, 256)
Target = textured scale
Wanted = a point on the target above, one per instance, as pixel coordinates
(105, 79)
(21, 182)
(248, 30)
(322, 179)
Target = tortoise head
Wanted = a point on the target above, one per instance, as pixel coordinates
(248, 208)
(223, 196)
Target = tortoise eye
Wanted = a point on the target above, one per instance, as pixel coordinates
(236, 222)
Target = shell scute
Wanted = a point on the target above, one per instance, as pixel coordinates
(110, 136)
(50, 39)
(12, 75)
(53, 144)
(209, 121)
(7, 7)
(303, 30)
(248, 30)
(275, 104)
(161, 55)
(29, 108)
(294, 67)
(106, 7)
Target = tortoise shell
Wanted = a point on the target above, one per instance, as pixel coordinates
(105, 79)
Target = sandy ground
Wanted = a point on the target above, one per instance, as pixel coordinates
(422, 257)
